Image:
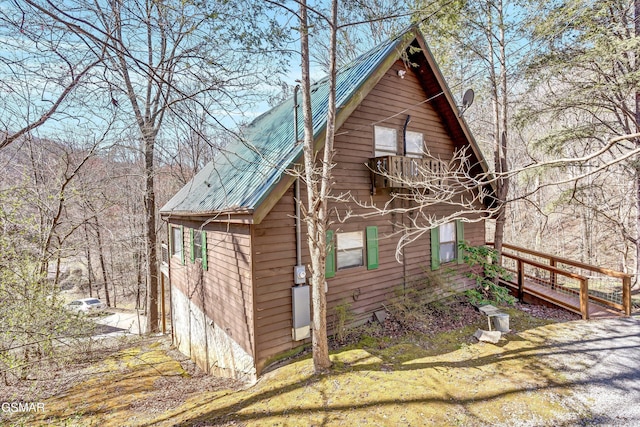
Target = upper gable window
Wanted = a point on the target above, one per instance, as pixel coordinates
(415, 144)
(386, 141)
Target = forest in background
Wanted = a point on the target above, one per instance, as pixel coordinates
(108, 108)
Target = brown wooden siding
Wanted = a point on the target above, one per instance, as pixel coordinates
(224, 292)
(274, 250)
(365, 290)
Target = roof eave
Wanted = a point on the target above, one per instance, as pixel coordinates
(243, 216)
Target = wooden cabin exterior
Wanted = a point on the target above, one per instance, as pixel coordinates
(233, 291)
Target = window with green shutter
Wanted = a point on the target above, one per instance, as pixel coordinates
(196, 245)
(182, 244)
(435, 248)
(349, 249)
(372, 248)
(460, 239)
(444, 244)
(330, 262)
(203, 250)
(191, 240)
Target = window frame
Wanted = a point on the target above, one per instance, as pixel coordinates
(177, 238)
(451, 242)
(415, 154)
(196, 244)
(380, 150)
(359, 249)
(436, 248)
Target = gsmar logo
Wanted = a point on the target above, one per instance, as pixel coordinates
(22, 407)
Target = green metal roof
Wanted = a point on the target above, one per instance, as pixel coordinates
(245, 170)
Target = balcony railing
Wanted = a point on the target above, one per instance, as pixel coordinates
(402, 172)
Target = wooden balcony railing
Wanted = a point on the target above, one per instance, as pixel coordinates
(401, 171)
(566, 283)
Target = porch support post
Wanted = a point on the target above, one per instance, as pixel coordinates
(554, 275)
(584, 298)
(520, 279)
(626, 295)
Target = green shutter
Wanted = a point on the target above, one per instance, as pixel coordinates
(372, 248)
(192, 251)
(204, 250)
(330, 262)
(435, 248)
(460, 238)
(182, 244)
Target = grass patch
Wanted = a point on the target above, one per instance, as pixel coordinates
(385, 375)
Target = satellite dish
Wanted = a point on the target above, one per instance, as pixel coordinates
(467, 100)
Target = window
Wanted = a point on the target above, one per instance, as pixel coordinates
(447, 237)
(444, 243)
(415, 141)
(199, 247)
(386, 141)
(350, 249)
(196, 245)
(176, 242)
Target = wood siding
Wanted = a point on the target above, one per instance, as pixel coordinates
(365, 290)
(224, 291)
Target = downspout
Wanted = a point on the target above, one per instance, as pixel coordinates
(297, 182)
(300, 299)
(404, 135)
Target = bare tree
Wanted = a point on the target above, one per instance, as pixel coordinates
(155, 55)
(432, 181)
(317, 173)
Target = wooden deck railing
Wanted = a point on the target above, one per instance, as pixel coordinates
(560, 280)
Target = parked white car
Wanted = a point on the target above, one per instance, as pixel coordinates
(87, 305)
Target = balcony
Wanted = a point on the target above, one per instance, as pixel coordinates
(402, 171)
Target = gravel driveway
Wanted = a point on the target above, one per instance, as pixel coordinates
(600, 360)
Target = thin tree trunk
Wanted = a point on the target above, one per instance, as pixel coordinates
(151, 235)
(500, 111)
(318, 187)
(102, 263)
(88, 254)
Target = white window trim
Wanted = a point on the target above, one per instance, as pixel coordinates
(176, 250)
(442, 241)
(419, 137)
(383, 147)
(197, 248)
(341, 240)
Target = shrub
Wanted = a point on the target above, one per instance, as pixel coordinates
(485, 270)
(343, 317)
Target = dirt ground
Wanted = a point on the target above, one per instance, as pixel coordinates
(551, 369)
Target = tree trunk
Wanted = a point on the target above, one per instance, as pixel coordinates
(636, 285)
(102, 263)
(89, 265)
(150, 229)
(500, 111)
(318, 186)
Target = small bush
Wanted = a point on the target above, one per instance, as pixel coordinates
(487, 290)
(343, 317)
